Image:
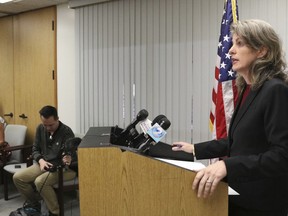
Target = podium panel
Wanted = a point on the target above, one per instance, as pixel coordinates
(113, 182)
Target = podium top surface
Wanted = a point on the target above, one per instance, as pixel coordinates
(96, 136)
(98, 131)
(100, 137)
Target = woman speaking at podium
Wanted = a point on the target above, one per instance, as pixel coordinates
(255, 154)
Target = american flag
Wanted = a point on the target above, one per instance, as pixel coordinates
(224, 93)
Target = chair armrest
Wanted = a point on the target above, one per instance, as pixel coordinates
(19, 147)
(26, 150)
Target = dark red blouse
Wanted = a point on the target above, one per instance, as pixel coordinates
(245, 94)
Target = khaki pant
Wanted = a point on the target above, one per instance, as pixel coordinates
(26, 180)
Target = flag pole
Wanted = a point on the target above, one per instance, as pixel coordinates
(224, 93)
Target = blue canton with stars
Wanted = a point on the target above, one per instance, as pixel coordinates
(225, 43)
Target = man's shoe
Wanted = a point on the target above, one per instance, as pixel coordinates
(51, 214)
(32, 209)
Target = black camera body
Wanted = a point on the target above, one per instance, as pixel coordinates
(52, 168)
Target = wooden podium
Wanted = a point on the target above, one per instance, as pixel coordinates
(115, 182)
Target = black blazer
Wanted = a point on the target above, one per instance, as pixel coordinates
(257, 148)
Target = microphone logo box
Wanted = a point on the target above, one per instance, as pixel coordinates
(145, 125)
(156, 132)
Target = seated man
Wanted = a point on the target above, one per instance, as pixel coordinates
(47, 151)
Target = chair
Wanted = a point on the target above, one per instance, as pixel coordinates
(65, 186)
(15, 135)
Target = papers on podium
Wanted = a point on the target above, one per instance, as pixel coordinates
(193, 166)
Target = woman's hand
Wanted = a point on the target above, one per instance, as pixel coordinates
(207, 179)
(183, 146)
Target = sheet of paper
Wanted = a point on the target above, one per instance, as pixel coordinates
(231, 191)
(193, 166)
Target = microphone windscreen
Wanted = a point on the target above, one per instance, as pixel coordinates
(142, 114)
(157, 119)
(164, 123)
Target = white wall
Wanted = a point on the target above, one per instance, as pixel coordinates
(66, 65)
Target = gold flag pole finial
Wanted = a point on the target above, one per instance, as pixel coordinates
(234, 13)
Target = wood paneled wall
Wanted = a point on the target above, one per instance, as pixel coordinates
(30, 66)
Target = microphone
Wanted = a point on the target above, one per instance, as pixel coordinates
(142, 114)
(142, 138)
(147, 124)
(155, 133)
(130, 132)
(158, 118)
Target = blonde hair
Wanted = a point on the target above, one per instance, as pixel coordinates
(257, 34)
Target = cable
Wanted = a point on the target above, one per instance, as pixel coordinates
(26, 201)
